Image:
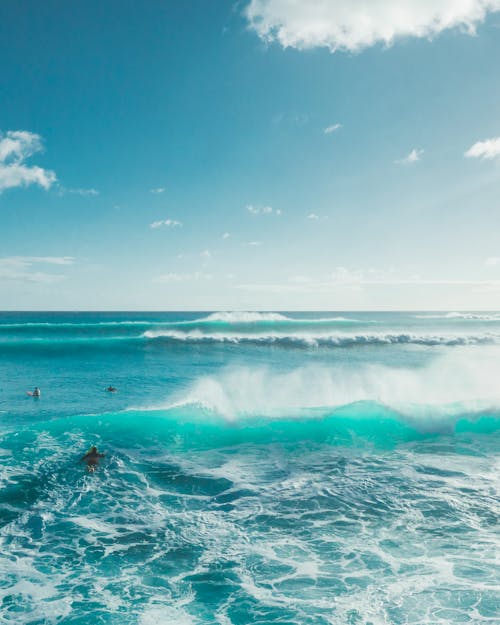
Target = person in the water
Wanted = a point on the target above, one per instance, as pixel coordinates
(111, 389)
(36, 392)
(92, 458)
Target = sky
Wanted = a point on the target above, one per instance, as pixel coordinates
(250, 155)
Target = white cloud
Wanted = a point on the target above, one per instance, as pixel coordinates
(354, 25)
(487, 150)
(299, 279)
(20, 268)
(82, 192)
(413, 157)
(313, 216)
(30, 260)
(167, 223)
(330, 129)
(226, 235)
(254, 243)
(292, 118)
(263, 210)
(492, 261)
(158, 190)
(15, 147)
(181, 277)
(206, 254)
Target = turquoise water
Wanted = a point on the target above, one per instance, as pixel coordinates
(315, 468)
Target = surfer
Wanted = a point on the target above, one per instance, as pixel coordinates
(111, 389)
(35, 393)
(92, 459)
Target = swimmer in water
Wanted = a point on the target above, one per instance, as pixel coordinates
(36, 392)
(92, 459)
(111, 389)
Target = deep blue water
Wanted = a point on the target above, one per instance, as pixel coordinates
(305, 468)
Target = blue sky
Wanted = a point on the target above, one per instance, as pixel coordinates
(250, 155)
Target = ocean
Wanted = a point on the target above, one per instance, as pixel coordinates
(288, 468)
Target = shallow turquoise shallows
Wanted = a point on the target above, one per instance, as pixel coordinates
(288, 468)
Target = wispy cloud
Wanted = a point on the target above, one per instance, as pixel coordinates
(492, 261)
(16, 146)
(292, 118)
(30, 260)
(158, 190)
(263, 210)
(82, 192)
(413, 157)
(356, 279)
(313, 217)
(165, 223)
(169, 278)
(331, 129)
(353, 26)
(226, 235)
(487, 150)
(254, 243)
(23, 268)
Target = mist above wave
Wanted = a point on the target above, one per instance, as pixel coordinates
(450, 384)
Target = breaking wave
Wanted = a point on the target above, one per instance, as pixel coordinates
(450, 385)
(469, 316)
(324, 339)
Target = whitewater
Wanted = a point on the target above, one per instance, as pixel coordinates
(316, 468)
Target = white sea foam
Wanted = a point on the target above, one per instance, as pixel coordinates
(456, 382)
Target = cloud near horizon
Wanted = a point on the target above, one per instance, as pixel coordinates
(171, 277)
(357, 279)
(19, 268)
(353, 26)
(15, 147)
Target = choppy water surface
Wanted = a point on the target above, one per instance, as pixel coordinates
(319, 468)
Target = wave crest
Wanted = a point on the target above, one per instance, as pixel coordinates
(450, 385)
(312, 339)
(462, 316)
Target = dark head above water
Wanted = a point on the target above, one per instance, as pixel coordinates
(92, 458)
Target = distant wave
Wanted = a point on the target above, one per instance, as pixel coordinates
(78, 325)
(217, 319)
(465, 316)
(323, 339)
(243, 317)
(259, 317)
(291, 338)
